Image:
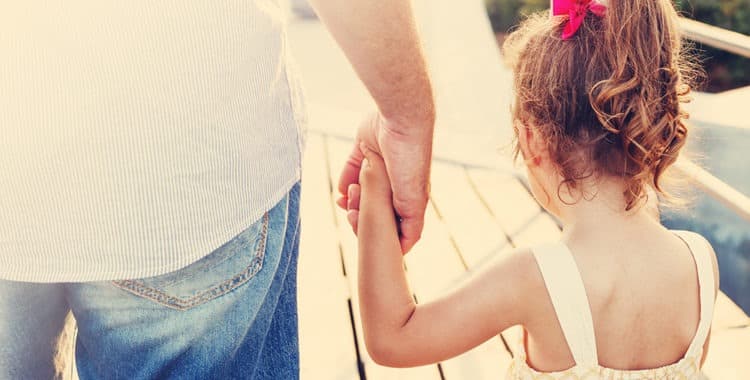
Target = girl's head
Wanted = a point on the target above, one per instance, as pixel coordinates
(604, 103)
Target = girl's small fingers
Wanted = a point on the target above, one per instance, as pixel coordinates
(342, 202)
(353, 195)
(352, 216)
(373, 173)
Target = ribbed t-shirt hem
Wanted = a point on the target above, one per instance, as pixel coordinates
(56, 275)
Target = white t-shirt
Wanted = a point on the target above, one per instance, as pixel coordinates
(138, 136)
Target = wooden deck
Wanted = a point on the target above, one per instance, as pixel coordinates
(474, 215)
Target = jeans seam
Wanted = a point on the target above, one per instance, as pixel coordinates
(141, 289)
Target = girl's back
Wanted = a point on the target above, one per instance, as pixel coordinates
(643, 293)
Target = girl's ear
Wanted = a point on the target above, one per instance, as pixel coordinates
(531, 145)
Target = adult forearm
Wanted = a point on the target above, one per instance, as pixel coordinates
(381, 42)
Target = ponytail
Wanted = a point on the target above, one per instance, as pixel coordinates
(608, 98)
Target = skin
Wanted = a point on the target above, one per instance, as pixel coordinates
(380, 40)
(639, 277)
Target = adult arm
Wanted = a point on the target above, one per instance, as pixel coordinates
(380, 40)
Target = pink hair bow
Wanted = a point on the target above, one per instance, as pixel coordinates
(576, 11)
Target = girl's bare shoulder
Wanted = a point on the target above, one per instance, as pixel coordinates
(517, 275)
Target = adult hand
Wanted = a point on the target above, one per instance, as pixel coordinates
(407, 152)
(380, 40)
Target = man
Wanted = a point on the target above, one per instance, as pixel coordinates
(149, 176)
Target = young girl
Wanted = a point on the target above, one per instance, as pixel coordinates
(598, 120)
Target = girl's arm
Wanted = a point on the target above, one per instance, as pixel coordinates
(398, 332)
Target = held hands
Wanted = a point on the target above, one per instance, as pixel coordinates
(369, 203)
(406, 154)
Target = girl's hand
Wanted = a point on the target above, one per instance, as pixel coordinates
(375, 183)
(352, 205)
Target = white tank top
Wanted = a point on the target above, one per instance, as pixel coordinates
(137, 136)
(568, 295)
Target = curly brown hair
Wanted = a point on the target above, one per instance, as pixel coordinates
(608, 100)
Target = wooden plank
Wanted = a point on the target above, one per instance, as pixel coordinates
(514, 208)
(327, 346)
(476, 232)
(338, 151)
(727, 356)
(513, 336)
(487, 361)
(730, 337)
(507, 199)
(434, 266)
(541, 229)
(727, 315)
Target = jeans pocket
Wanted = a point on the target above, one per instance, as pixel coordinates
(223, 270)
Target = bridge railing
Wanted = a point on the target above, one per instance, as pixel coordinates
(738, 44)
(719, 38)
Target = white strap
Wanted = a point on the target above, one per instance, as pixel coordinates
(568, 295)
(699, 248)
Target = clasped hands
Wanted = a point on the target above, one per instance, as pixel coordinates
(397, 166)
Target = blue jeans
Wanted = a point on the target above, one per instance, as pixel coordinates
(230, 315)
